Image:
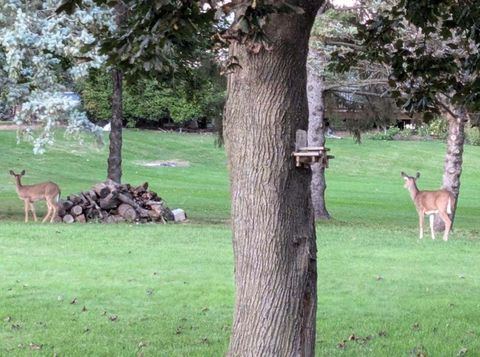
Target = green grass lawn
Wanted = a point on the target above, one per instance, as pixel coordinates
(167, 290)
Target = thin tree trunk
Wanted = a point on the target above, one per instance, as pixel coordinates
(115, 155)
(453, 160)
(316, 137)
(114, 171)
(272, 217)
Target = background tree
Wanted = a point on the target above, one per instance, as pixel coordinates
(316, 131)
(114, 169)
(150, 103)
(360, 91)
(357, 99)
(41, 58)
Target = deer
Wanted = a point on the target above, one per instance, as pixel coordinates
(48, 191)
(430, 202)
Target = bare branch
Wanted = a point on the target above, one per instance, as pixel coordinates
(357, 84)
(343, 44)
(367, 94)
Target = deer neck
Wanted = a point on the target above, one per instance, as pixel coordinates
(413, 191)
(18, 183)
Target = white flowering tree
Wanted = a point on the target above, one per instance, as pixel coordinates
(41, 55)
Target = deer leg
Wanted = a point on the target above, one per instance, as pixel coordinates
(448, 224)
(432, 220)
(420, 223)
(53, 210)
(49, 211)
(27, 205)
(32, 207)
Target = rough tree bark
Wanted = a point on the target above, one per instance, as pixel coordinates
(453, 161)
(115, 155)
(114, 171)
(316, 137)
(272, 217)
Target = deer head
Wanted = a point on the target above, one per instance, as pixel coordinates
(410, 181)
(17, 175)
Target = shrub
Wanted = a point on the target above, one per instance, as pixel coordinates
(406, 133)
(472, 135)
(439, 128)
(389, 134)
(423, 131)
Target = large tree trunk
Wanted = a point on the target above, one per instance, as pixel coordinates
(272, 218)
(454, 159)
(316, 137)
(115, 155)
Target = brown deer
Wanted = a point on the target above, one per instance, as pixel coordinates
(47, 191)
(430, 202)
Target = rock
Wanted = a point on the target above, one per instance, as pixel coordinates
(179, 215)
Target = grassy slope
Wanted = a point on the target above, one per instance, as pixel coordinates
(171, 286)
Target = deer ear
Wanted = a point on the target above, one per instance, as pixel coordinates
(418, 175)
(22, 173)
(12, 173)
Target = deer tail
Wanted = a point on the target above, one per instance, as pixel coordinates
(450, 204)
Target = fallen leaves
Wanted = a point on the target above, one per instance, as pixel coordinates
(418, 351)
(35, 346)
(113, 317)
(362, 340)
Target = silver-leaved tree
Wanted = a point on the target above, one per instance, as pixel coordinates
(41, 55)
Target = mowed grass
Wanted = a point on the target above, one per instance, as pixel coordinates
(167, 290)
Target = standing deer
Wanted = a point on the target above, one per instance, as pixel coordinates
(430, 202)
(47, 191)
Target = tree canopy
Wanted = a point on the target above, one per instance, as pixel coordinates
(41, 55)
(148, 101)
(431, 48)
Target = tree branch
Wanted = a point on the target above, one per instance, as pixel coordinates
(354, 46)
(367, 94)
(362, 83)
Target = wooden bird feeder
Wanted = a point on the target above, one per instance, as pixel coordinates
(308, 155)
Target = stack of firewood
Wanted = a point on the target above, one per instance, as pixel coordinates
(110, 202)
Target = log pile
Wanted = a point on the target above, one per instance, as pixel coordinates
(110, 202)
